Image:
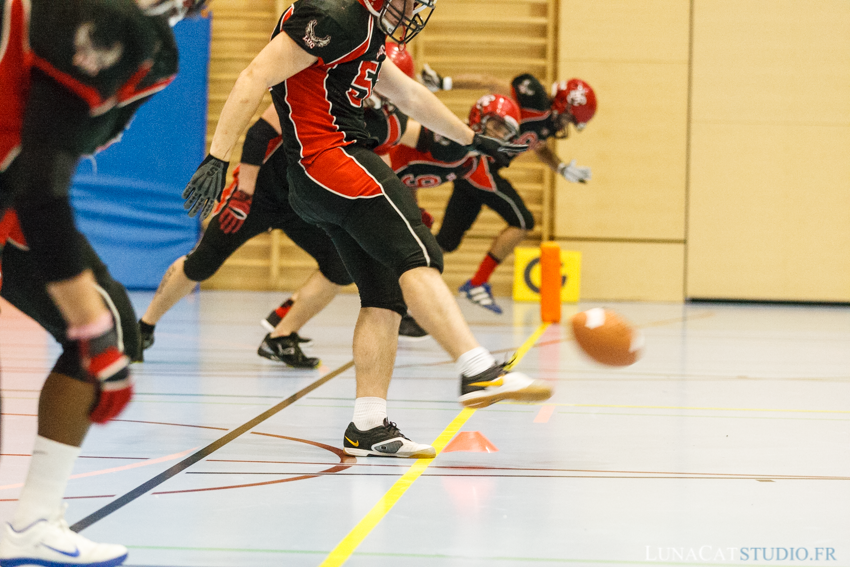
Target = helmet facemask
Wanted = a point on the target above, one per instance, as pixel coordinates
(496, 127)
(396, 23)
(174, 10)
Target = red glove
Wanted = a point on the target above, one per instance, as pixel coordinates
(427, 218)
(236, 211)
(103, 359)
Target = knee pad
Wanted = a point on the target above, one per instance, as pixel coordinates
(449, 242)
(202, 262)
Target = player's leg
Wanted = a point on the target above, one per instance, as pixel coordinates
(388, 227)
(283, 342)
(200, 264)
(63, 420)
(510, 206)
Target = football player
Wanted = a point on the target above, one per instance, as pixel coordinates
(72, 74)
(258, 201)
(321, 64)
(542, 117)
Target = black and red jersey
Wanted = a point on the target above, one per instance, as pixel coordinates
(321, 107)
(535, 118)
(106, 56)
(436, 160)
(386, 125)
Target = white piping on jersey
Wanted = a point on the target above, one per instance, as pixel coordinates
(7, 26)
(435, 162)
(367, 41)
(150, 91)
(115, 315)
(390, 201)
(494, 188)
(10, 157)
(513, 206)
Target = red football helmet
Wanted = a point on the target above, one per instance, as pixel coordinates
(401, 20)
(500, 112)
(174, 10)
(401, 57)
(573, 102)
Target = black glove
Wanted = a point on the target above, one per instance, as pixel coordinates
(502, 152)
(205, 187)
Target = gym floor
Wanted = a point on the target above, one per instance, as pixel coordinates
(726, 444)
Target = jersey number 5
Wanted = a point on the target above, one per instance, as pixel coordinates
(361, 86)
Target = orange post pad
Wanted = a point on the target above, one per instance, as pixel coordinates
(550, 282)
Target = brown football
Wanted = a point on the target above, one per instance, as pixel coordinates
(606, 337)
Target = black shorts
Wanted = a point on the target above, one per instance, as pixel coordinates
(270, 209)
(465, 204)
(371, 218)
(26, 289)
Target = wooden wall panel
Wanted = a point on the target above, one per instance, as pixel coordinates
(635, 55)
(630, 271)
(770, 177)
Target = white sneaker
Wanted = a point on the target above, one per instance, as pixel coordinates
(497, 384)
(384, 441)
(50, 543)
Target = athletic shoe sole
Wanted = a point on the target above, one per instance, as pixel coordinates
(428, 453)
(524, 389)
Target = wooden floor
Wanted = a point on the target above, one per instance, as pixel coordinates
(727, 444)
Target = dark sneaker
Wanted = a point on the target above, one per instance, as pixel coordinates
(146, 338)
(409, 329)
(384, 441)
(480, 295)
(497, 383)
(286, 350)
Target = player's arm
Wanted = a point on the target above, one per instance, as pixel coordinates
(280, 59)
(569, 171)
(472, 81)
(257, 141)
(420, 104)
(411, 134)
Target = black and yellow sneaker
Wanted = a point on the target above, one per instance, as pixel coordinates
(409, 329)
(384, 441)
(287, 350)
(499, 383)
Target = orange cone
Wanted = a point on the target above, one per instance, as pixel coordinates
(550, 282)
(471, 442)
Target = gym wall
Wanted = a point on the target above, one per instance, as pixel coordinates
(718, 149)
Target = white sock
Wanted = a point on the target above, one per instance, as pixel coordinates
(369, 413)
(50, 469)
(474, 361)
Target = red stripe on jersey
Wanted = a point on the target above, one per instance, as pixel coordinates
(283, 17)
(528, 114)
(10, 229)
(393, 134)
(340, 173)
(272, 147)
(357, 51)
(90, 95)
(480, 175)
(310, 113)
(128, 92)
(14, 77)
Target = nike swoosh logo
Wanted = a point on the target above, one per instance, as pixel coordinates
(75, 553)
(352, 442)
(496, 382)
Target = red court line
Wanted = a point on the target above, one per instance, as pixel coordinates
(546, 411)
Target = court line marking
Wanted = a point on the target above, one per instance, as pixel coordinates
(361, 531)
(546, 411)
(144, 463)
(203, 453)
